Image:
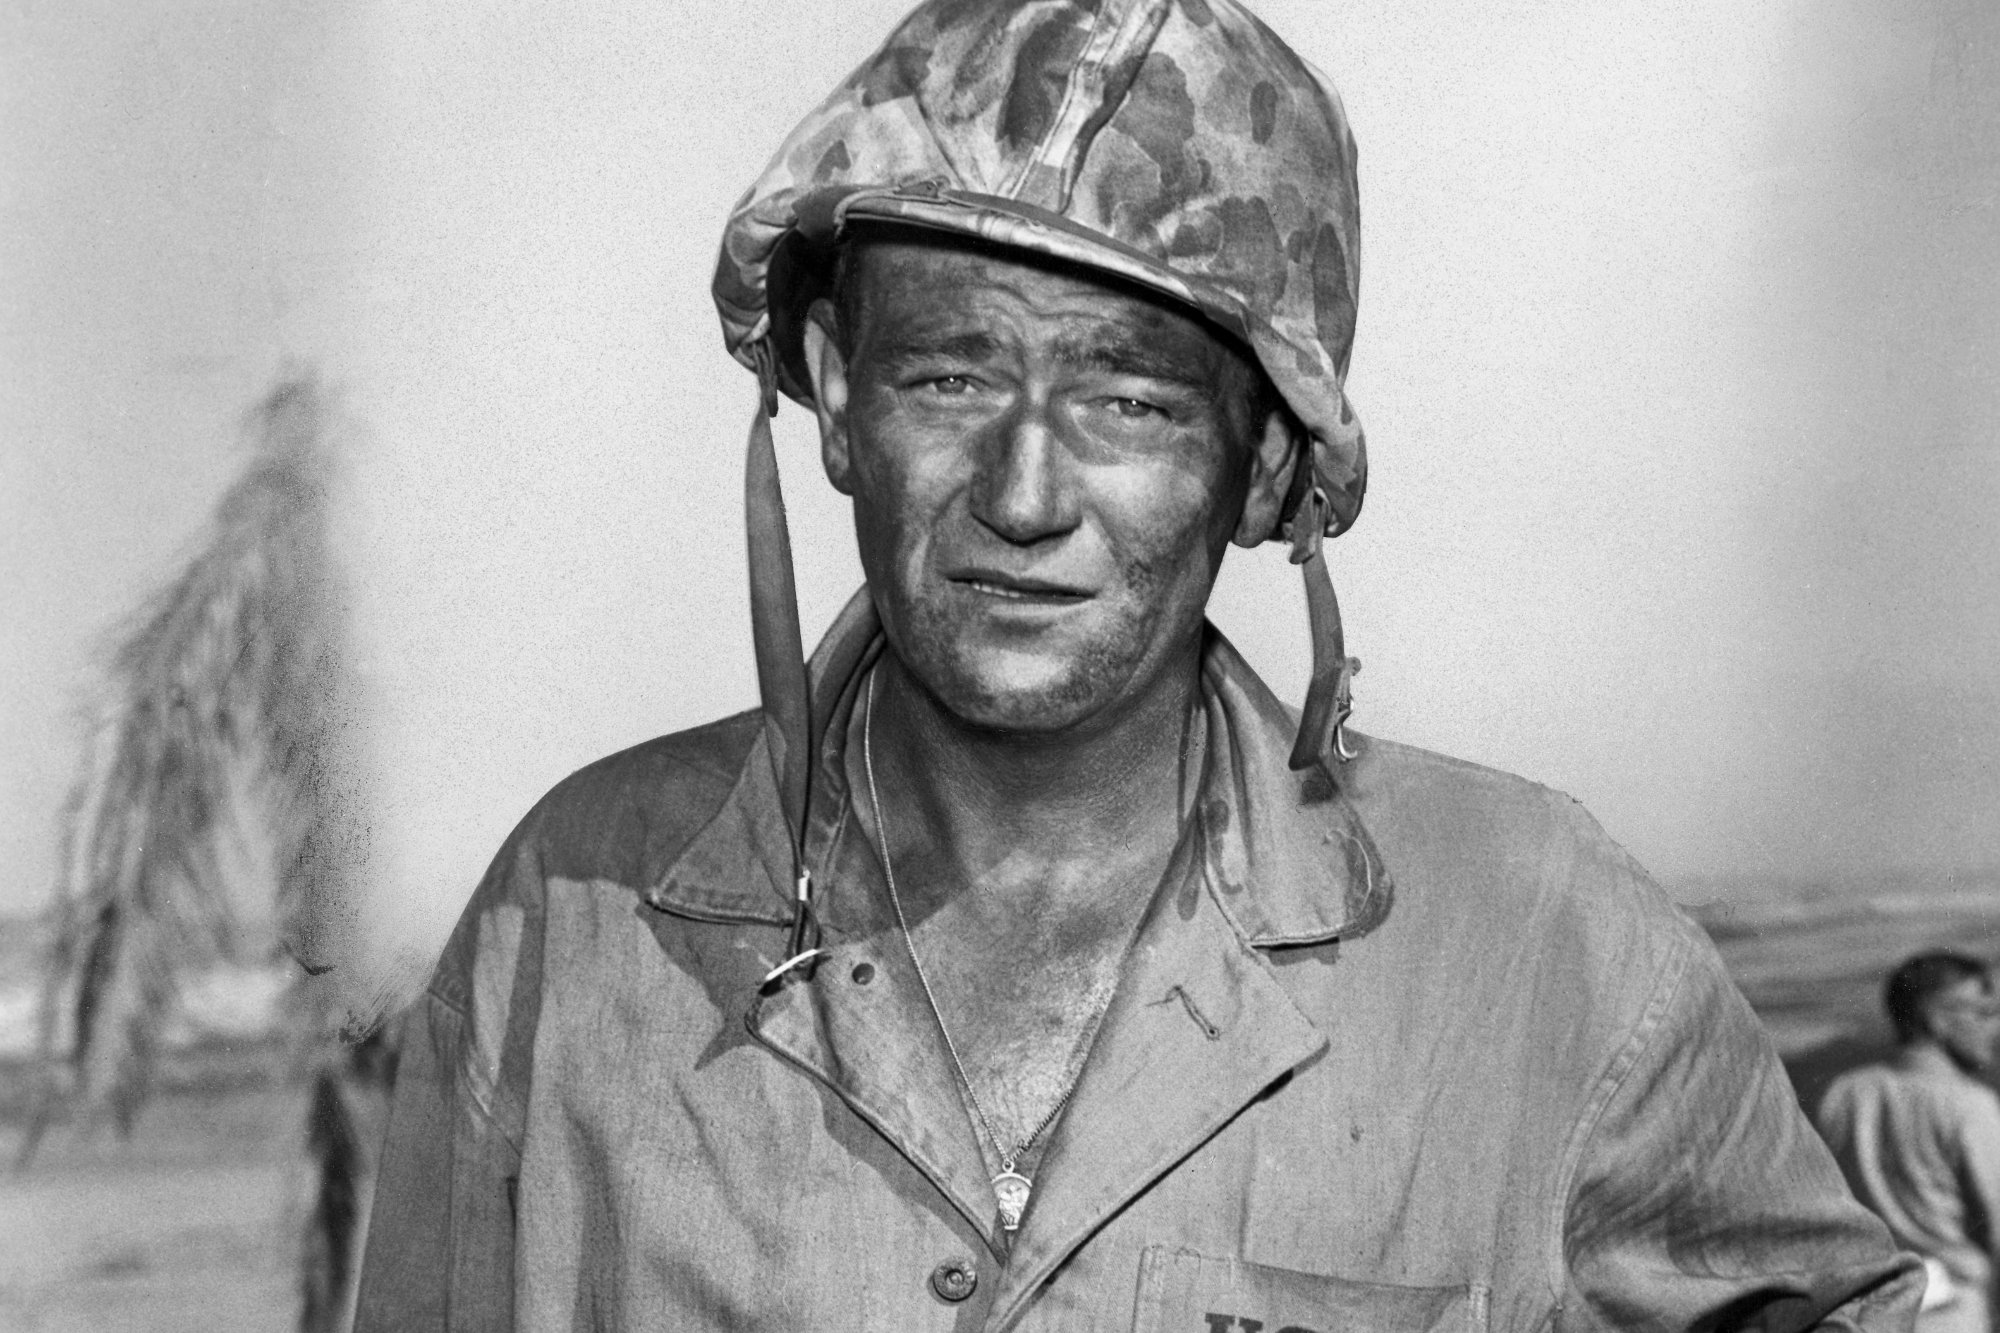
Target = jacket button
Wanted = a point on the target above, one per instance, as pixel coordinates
(954, 1279)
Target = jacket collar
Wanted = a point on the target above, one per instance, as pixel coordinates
(1286, 856)
(1288, 859)
(706, 881)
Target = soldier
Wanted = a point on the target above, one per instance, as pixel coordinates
(1025, 964)
(1918, 1135)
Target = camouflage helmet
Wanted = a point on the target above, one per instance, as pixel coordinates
(1178, 144)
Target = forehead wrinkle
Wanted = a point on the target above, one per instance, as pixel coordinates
(1122, 333)
(1120, 353)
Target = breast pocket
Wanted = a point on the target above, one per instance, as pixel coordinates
(1184, 1292)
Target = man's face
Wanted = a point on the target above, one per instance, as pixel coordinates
(1045, 470)
(1965, 1020)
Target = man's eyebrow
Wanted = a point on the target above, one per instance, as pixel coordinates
(1122, 356)
(905, 349)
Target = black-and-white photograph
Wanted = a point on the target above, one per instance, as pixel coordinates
(1006, 666)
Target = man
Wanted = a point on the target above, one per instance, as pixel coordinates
(1030, 966)
(1918, 1136)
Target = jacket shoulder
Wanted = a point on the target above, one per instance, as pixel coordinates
(1432, 803)
(1396, 777)
(626, 817)
(623, 820)
(1503, 853)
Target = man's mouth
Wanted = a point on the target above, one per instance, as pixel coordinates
(1017, 588)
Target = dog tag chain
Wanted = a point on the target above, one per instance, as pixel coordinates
(1011, 1188)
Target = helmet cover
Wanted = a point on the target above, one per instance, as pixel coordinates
(1178, 144)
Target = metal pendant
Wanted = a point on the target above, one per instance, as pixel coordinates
(1011, 1188)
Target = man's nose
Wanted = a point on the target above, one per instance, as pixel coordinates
(1025, 490)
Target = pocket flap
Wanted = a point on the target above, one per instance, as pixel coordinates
(1184, 1292)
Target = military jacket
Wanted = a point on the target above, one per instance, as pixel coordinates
(1410, 1047)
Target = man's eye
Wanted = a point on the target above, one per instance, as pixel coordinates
(1134, 409)
(951, 386)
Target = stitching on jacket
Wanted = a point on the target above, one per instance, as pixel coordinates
(460, 1072)
(462, 1076)
(523, 1079)
(1666, 994)
(1201, 1020)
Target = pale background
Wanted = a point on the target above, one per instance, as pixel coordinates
(1679, 354)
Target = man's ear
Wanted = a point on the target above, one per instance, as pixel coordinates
(826, 368)
(1274, 454)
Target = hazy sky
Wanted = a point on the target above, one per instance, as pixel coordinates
(1679, 353)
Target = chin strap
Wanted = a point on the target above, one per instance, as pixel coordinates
(1330, 697)
(781, 665)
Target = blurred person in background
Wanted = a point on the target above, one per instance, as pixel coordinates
(1918, 1135)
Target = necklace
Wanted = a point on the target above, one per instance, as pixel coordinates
(1010, 1186)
